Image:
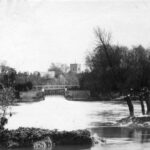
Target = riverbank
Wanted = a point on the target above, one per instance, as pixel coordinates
(135, 122)
(74, 95)
(85, 95)
(30, 137)
(31, 96)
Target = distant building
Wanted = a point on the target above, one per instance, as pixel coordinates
(75, 68)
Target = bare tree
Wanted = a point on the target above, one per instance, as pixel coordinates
(104, 39)
(104, 43)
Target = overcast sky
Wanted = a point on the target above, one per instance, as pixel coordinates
(35, 33)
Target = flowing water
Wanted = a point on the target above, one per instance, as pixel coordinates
(58, 113)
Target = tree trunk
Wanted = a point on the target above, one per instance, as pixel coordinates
(148, 107)
(142, 105)
(147, 100)
(130, 106)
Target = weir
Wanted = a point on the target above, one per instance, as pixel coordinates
(54, 92)
(55, 89)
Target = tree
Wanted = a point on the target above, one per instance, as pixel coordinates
(71, 79)
(113, 68)
(7, 98)
(8, 76)
(57, 69)
(104, 43)
(104, 63)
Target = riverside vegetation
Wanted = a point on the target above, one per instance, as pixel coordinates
(27, 137)
(114, 69)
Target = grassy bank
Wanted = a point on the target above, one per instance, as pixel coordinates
(86, 95)
(78, 95)
(31, 96)
(135, 122)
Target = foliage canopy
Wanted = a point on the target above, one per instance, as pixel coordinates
(115, 68)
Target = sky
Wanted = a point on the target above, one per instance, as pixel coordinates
(36, 33)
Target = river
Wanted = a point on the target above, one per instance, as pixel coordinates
(55, 112)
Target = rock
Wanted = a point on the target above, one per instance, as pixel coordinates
(135, 122)
(98, 140)
(103, 141)
(3, 121)
(146, 124)
(48, 142)
(39, 145)
(12, 144)
(43, 144)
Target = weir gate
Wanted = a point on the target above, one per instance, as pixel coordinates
(54, 89)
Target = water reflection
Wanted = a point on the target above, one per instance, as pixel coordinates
(142, 135)
(113, 132)
(74, 147)
(137, 135)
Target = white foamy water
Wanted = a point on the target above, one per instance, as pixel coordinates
(58, 113)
